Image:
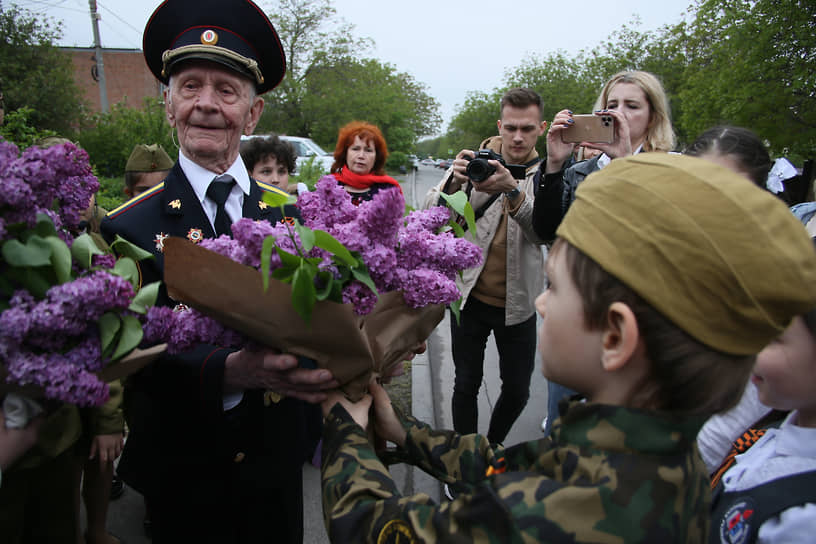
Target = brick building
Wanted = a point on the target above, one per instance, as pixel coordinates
(127, 77)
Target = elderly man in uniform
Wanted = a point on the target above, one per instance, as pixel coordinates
(214, 461)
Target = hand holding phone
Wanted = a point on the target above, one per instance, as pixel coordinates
(590, 128)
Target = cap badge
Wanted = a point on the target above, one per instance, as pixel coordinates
(209, 37)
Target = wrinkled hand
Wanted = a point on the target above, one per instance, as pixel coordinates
(265, 369)
(621, 145)
(15, 442)
(557, 151)
(107, 447)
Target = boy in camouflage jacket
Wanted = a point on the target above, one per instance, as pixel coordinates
(655, 311)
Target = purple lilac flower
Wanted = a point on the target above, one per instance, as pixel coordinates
(430, 219)
(422, 287)
(184, 329)
(106, 260)
(359, 296)
(380, 218)
(327, 205)
(59, 375)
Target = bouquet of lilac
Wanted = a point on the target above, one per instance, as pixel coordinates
(68, 307)
(349, 253)
(343, 253)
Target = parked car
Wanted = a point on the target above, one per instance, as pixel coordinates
(445, 164)
(414, 160)
(305, 148)
(428, 162)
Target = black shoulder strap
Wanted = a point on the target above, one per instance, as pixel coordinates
(477, 214)
(737, 515)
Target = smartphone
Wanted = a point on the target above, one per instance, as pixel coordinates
(590, 128)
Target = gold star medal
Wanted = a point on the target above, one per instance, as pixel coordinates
(175, 204)
(262, 205)
(195, 235)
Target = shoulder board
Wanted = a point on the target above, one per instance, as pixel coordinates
(153, 191)
(271, 188)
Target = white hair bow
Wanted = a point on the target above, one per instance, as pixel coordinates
(782, 170)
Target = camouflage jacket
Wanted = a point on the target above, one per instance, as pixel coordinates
(609, 474)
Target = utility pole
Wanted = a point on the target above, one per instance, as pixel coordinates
(100, 65)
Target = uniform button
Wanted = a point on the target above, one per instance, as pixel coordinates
(239, 457)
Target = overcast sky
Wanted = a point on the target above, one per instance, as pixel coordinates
(451, 46)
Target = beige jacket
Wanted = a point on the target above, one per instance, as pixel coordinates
(525, 259)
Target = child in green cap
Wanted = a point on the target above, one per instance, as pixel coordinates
(655, 311)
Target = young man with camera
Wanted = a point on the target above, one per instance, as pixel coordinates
(498, 296)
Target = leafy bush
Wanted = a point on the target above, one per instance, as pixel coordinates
(310, 171)
(397, 159)
(18, 129)
(111, 192)
(110, 137)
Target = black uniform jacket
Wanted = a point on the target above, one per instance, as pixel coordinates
(174, 406)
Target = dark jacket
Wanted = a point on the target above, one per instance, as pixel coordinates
(555, 194)
(174, 407)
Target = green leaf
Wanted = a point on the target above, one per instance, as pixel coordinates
(278, 200)
(458, 202)
(45, 226)
(361, 274)
(326, 279)
(109, 325)
(456, 307)
(284, 274)
(34, 280)
(35, 252)
(83, 249)
(457, 229)
(127, 249)
(266, 255)
(303, 293)
(145, 298)
(60, 258)
(126, 268)
(130, 337)
(307, 237)
(326, 241)
(289, 259)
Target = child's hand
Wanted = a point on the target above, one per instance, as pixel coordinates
(107, 447)
(387, 425)
(357, 410)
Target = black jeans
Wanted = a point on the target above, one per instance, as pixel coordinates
(516, 345)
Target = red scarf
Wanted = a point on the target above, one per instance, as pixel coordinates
(363, 181)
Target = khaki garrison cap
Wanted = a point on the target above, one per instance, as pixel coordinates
(722, 259)
(148, 158)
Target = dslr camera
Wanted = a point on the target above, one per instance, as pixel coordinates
(478, 169)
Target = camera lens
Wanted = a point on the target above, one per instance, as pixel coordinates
(479, 170)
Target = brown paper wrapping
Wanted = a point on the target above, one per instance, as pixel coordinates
(352, 347)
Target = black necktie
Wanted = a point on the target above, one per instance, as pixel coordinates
(218, 191)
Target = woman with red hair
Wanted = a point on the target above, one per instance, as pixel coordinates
(359, 161)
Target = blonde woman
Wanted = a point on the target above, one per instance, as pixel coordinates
(640, 109)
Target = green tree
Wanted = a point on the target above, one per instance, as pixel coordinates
(751, 63)
(329, 82)
(312, 35)
(369, 90)
(36, 74)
